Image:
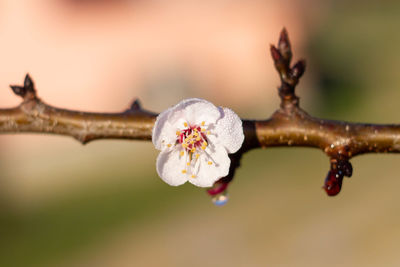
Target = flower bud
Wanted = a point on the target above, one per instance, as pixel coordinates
(333, 183)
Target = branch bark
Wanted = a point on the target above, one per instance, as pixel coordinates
(288, 126)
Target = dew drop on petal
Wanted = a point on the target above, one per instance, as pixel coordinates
(220, 200)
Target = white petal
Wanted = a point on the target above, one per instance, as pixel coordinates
(194, 111)
(209, 174)
(170, 166)
(163, 130)
(228, 131)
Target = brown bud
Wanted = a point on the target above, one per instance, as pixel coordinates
(333, 183)
(284, 46)
(298, 69)
(18, 90)
(276, 55)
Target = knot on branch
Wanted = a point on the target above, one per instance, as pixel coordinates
(282, 56)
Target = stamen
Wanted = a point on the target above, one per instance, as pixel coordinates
(209, 163)
(169, 145)
(193, 176)
(188, 163)
(203, 123)
(197, 156)
(183, 171)
(178, 132)
(193, 150)
(185, 124)
(182, 153)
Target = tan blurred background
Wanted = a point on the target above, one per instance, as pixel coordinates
(64, 204)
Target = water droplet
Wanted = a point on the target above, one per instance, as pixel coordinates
(220, 200)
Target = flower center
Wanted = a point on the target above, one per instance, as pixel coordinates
(193, 140)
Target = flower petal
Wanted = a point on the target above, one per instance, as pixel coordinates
(163, 132)
(170, 166)
(209, 174)
(229, 131)
(194, 111)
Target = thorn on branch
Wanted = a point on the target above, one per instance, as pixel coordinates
(27, 91)
(136, 105)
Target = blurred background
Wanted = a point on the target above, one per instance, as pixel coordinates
(102, 204)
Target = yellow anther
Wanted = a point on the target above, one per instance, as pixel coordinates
(185, 124)
(208, 132)
(203, 147)
(183, 171)
(178, 132)
(197, 156)
(205, 143)
(182, 153)
(184, 145)
(188, 163)
(193, 176)
(209, 163)
(169, 145)
(203, 123)
(203, 130)
(198, 138)
(193, 150)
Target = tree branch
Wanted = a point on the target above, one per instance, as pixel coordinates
(288, 126)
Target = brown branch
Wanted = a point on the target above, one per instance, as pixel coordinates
(35, 116)
(288, 126)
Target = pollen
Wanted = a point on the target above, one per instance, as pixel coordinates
(197, 156)
(185, 124)
(169, 145)
(203, 130)
(193, 150)
(193, 176)
(203, 123)
(183, 171)
(178, 132)
(209, 163)
(184, 145)
(188, 163)
(208, 132)
(182, 153)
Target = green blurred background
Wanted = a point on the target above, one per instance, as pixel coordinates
(102, 204)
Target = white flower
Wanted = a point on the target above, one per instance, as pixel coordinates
(195, 138)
